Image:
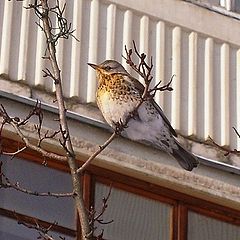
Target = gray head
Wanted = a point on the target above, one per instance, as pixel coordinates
(109, 67)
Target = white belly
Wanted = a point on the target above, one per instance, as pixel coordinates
(115, 110)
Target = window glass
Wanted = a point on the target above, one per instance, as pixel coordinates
(10, 230)
(201, 228)
(134, 217)
(230, 5)
(237, 6)
(213, 2)
(41, 179)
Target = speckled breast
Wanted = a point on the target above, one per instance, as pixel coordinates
(116, 98)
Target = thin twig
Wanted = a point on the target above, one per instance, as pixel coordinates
(104, 207)
(47, 135)
(5, 183)
(95, 216)
(43, 232)
(235, 130)
(166, 87)
(96, 153)
(225, 149)
(13, 154)
(40, 150)
(16, 123)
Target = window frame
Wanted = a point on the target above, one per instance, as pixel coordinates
(181, 202)
(224, 8)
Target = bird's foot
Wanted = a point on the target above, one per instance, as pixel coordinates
(119, 126)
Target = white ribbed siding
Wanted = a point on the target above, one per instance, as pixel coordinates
(127, 35)
(5, 36)
(204, 58)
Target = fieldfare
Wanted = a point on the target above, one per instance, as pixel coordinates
(118, 95)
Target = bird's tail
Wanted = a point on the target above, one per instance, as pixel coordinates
(187, 160)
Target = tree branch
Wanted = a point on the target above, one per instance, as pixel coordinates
(225, 149)
(95, 154)
(13, 154)
(16, 123)
(5, 183)
(144, 70)
(95, 216)
(236, 131)
(44, 153)
(51, 43)
(42, 231)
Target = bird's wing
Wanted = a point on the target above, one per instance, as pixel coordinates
(140, 88)
(164, 118)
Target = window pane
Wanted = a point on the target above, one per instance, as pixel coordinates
(201, 228)
(10, 230)
(41, 179)
(135, 217)
(213, 2)
(237, 6)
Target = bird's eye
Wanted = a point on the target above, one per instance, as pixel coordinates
(108, 68)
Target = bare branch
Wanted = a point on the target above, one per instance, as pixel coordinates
(5, 183)
(47, 73)
(43, 232)
(97, 217)
(40, 150)
(36, 111)
(47, 135)
(13, 154)
(96, 153)
(104, 207)
(62, 30)
(144, 70)
(16, 123)
(166, 87)
(225, 149)
(43, 11)
(235, 130)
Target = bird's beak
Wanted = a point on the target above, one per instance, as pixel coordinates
(93, 65)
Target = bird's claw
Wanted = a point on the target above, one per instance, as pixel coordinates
(119, 126)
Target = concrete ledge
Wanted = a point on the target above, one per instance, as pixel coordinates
(138, 161)
(14, 87)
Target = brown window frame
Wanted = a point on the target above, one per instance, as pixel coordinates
(181, 202)
(10, 145)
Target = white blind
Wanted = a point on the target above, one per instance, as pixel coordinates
(134, 217)
(201, 228)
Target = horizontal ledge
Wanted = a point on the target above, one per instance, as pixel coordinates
(102, 125)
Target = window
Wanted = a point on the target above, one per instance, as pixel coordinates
(143, 210)
(210, 228)
(229, 5)
(19, 206)
(10, 230)
(134, 216)
(139, 210)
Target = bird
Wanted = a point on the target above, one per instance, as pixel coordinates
(118, 95)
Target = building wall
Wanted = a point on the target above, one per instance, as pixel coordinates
(151, 195)
(198, 46)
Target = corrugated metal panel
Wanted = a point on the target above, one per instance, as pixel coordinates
(207, 82)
